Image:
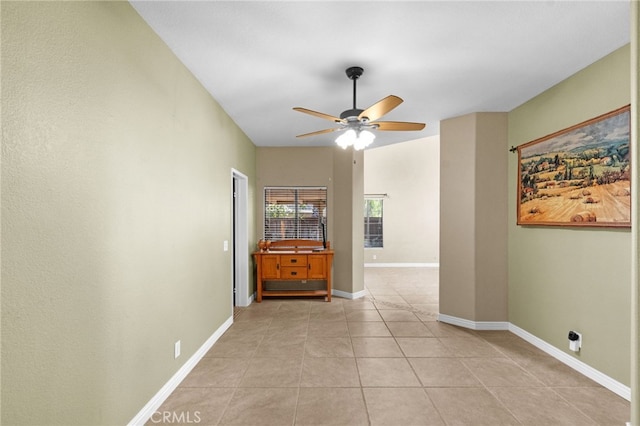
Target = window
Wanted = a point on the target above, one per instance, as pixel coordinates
(373, 222)
(295, 212)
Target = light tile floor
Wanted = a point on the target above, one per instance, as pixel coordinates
(381, 360)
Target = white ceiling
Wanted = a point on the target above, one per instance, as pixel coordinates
(445, 59)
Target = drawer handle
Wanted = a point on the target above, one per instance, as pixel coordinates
(293, 273)
(277, 266)
(294, 260)
(309, 265)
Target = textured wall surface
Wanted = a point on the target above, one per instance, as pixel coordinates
(342, 173)
(409, 173)
(116, 200)
(473, 232)
(563, 279)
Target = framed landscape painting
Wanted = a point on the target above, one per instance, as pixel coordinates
(580, 176)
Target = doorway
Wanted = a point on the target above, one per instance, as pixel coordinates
(240, 239)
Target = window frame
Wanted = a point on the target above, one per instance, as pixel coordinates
(367, 222)
(317, 233)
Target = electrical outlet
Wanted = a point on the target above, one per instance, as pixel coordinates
(375, 257)
(225, 245)
(176, 349)
(575, 341)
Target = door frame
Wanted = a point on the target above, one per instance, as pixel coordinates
(240, 238)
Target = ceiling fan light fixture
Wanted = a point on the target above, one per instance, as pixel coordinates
(359, 140)
(346, 139)
(365, 138)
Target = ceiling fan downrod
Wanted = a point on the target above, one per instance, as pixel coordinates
(353, 73)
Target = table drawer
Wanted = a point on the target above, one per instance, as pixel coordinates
(293, 260)
(293, 272)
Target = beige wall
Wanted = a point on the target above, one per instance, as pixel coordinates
(303, 166)
(473, 205)
(457, 217)
(349, 228)
(491, 217)
(563, 279)
(341, 172)
(116, 189)
(409, 173)
(398, 170)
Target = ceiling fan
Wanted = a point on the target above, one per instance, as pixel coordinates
(358, 123)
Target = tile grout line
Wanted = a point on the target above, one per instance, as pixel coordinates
(423, 387)
(404, 356)
(438, 333)
(544, 384)
(235, 388)
(484, 385)
(304, 354)
(355, 361)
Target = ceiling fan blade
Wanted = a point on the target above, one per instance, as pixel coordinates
(319, 114)
(398, 125)
(380, 108)
(319, 132)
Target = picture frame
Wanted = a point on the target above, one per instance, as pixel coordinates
(579, 176)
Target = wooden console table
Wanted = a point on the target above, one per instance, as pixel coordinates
(293, 260)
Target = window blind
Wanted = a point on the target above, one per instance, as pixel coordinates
(373, 236)
(295, 212)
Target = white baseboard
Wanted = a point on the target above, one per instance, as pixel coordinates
(595, 375)
(152, 406)
(474, 325)
(401, 265)
(346, 295)
(584, 369)
(244, 303)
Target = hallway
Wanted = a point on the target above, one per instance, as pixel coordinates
(381, 360)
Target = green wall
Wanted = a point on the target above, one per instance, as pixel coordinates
(563, 279)
(116, 200)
